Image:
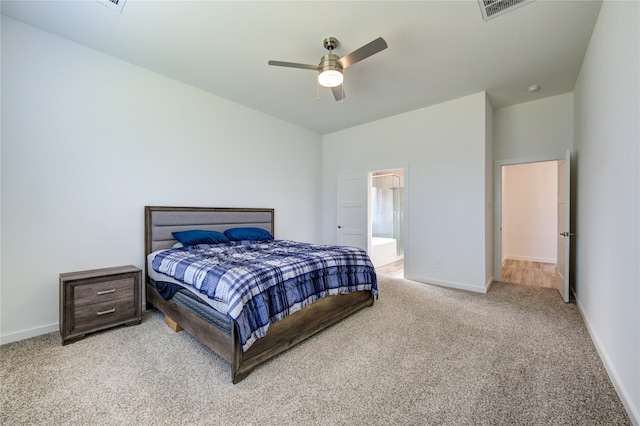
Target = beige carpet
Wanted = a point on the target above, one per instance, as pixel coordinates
(420, 355)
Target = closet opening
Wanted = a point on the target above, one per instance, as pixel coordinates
(530, 223)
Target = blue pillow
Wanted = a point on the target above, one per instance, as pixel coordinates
(254, 234)
(197, 236)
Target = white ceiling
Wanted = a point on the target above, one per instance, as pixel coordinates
(438, 50)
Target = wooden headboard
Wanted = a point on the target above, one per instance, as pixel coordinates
(161, 221)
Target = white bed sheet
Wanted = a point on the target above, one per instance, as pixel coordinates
(157, 276)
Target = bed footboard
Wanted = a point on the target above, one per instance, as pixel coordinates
(207, 333)
(281, 336)
(297, 327)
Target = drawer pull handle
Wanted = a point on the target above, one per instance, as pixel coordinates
(110, 311)
(100, 293)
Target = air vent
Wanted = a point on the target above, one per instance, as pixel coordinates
(492, 8)
(116, 5)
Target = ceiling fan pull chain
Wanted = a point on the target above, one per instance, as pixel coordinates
(317, 91)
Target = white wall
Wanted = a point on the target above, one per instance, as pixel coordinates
(607, 140)
(444, 147)
(529, 212)
(88, 141)
(534, 129)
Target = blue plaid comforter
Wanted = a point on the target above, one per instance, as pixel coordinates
(264, 281)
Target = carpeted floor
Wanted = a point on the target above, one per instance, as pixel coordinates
(420, 355)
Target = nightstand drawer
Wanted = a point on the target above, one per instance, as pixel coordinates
(103, 291)
(103, 313)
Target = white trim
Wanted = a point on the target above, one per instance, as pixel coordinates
(404, 165)
(497, 202)
(530, 259)
(609, 366)
(27, 334)
(450, 284)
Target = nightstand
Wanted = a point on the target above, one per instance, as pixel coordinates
(98, 299)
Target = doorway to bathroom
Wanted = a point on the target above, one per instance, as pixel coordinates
(386, 212)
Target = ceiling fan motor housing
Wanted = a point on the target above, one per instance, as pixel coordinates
(330, 62)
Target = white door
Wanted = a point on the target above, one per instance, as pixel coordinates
(564, 226)
(352, 211)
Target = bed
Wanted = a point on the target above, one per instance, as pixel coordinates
(203, 319)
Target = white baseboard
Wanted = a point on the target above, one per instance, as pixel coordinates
(449, 284)
(530, 259)
(632, 410)
(27, 334)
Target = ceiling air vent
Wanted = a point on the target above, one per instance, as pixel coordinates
(492, 8)
(116, 5)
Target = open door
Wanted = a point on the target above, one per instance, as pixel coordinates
(352, 211)
(564, 226)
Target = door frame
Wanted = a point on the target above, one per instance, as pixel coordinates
(404, 165)
(405, 209)
(497, 191)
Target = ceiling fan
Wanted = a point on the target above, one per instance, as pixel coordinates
(331, 66)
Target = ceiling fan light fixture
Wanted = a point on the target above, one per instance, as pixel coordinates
(330, 71)
(330, 78)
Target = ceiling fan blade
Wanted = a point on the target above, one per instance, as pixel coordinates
(294, 65)
(338, 93)
(363, 53)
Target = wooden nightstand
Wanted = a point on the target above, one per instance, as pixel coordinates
(98, 299)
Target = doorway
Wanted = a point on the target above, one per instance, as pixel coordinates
(529, 223)
(386, 213)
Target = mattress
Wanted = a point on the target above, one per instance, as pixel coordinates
(158, 277)
(194, 304)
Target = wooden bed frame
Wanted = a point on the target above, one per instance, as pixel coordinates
(160, 222)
